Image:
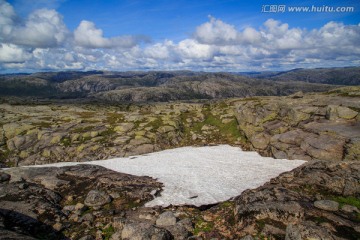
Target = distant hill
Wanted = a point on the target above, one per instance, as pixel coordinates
(338, 76)
(170, 85)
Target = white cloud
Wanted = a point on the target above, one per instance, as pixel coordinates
(42, 41)
(10, 53)
(87, 35)
(43, 28)
(216, 32)
(7, 18)
(190, 48)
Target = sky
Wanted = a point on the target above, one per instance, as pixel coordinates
(211, 35)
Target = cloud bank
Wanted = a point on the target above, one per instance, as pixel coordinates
(42, 41)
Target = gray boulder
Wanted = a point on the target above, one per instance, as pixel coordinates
(97, 198)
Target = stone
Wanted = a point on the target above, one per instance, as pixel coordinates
(297, 95)
(4, 177)
(58, 227)
(247, 237)
(51, 182)
(124, 127)
(324, 147)
(141, 230)
(97, 198)
(346, 113)
(88, 217)
(166, 219)
(166, 129)
(80, 206)
(327, 205)
(350, 209)
(87, 237)
(307, 230)
(260, 141)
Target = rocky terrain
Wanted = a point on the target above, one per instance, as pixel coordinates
(339, 76)
(308, 127)
(119, 87)
(302, 126)
(317, 201)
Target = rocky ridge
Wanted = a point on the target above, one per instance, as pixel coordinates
(319, 200)
(162, 86)
(308, 127)
(303, 126)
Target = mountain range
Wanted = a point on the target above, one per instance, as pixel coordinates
(161, 86)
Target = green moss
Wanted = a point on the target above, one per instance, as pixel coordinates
(82, 129)
(86, 114)
(203, 226)
(347, 200)
(227, 204)
(42, 124)
(108, 232)
(110, 131)
(155, 124)
(65, 141)
(113, 118)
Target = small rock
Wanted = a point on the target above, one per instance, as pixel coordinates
(87, 237)
(69, 208)
(4, 177)
(166, 219)
(327, 205)
(297, 95)
(87, 217)
(350, 209)
(80, 206)
(23, 186)
(97, 198)
(99, 225)
(248, 237)
(58, 227)
(118, 223)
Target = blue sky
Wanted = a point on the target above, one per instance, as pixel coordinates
(177, 30)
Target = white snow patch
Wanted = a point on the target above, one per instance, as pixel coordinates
(199, 175)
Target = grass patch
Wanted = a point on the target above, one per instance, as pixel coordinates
(82, 129)
(86, 114)
(107, 132)
(65, 141)
(155, 124)
(108, 232)
(203, 226)
(114, 118)
(347, 200)
(42, 124)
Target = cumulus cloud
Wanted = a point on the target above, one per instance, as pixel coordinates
(42, 41)
(43, 28)
(216, 32)
(10, 53)
(87, 35)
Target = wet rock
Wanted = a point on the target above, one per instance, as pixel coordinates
(97, 198)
